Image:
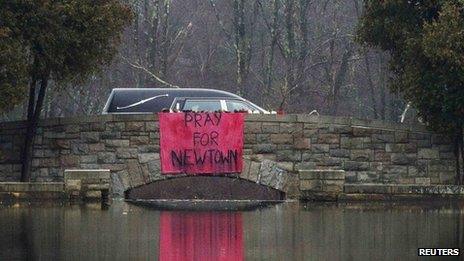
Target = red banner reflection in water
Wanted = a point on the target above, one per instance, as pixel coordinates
(201, 236)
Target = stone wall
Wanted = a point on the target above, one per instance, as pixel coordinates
(128, 145)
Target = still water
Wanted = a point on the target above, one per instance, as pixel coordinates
(287, 231)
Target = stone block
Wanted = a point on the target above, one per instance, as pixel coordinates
(340, 129)
(288, 128)
(79, 148)
(250, 138)
(288, 155)
(437, 165)
(381, 155)
(147, 157)
(281, 138)
(264, 148)
(439, 139)
(310, 133)
(126, 153)
(332, 188)
(263, 138)
(148, 148)
(339, 153)
(428, 153)
(154, 136)
(420, 136)
(287, 166)
(96, 147)
(412, 171)
(114, 126)
(446, 148)
(152, 126)
(355, 166)
(401, 137)
(106, 157)
(88, 159)
(60, 144)
(362, 131)
(302, 143)
(330, 162)
(245, 169)
(322, 174)
(253, 175)
(320, 148)
(396, 170)
(90, 137)
(407, 180)
(447, 177)
(367, 177)
(97, 126)
(403, 159)
(314, 185)
(135, 126)
(105, 186)
(422, 181)
(304, 165)
(367, 189)
(362, 155)
(154, 169)
(67, 161)
(422, 167)
(272, 175)
(423, 143)
(110, 135)
(253, 127)
(383, 138)
(270, 127)
(447, 155)
(117, 143)
(93, 194)
(139, 140)
(355, 143)
(328, 139)
(136, 175)
(350, 177)
(401, 147)
(86, 174)
(54, 135)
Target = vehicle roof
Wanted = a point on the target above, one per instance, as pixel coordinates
(121, 97)
(180, 92)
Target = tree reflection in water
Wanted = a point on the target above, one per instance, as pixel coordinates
(201, 236)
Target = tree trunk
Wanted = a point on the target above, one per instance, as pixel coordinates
(26, 156)
(383, 80)
(461, 138)
(458, 152)
(338, 81)
(371, 85)
(166, 42)
(153, 39)
(270, 62)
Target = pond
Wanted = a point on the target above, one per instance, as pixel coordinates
(286, 231)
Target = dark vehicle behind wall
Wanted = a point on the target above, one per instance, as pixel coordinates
(150, 100)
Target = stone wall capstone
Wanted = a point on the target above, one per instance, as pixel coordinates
(369, 151)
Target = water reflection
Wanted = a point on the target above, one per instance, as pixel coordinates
(281, 232)
(201, 236)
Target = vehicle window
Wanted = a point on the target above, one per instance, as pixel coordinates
(238, 105)
(202, 105)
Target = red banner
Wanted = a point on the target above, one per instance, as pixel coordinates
(201, 236)
(201, 143)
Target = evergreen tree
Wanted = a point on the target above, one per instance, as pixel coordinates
(425, 39)
(61, 41)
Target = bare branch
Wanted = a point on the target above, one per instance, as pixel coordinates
(140, 67)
